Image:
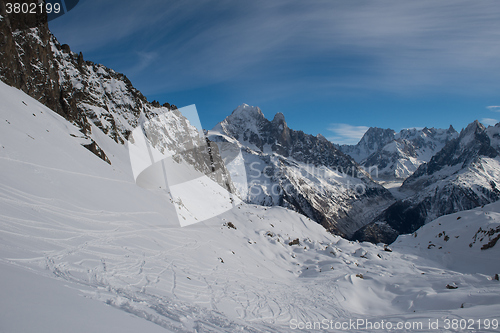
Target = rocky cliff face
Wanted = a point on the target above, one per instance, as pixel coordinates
(26, 60)
(299, 171)
(81, 91)
(463, 175)
(94, 97)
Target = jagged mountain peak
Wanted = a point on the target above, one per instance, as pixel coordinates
(247, 111)
(473, 128)
(397, 155)
(377, 132)
(279, 118)
(375, 138)
(472, 143)
(321, 137)
(251, 120)
(248, 125)
(426, 132)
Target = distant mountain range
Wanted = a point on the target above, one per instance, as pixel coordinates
(398, 155)
(443, 172)
(463, 175)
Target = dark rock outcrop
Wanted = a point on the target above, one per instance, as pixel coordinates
(26, 59)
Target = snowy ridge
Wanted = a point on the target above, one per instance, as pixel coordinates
(68, 216)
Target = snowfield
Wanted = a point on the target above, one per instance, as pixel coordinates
(83, 248)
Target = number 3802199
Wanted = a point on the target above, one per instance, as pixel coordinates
(32, 8)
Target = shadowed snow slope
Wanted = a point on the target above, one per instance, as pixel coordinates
(68, 218)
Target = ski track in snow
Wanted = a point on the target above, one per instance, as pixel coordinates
(62, 170)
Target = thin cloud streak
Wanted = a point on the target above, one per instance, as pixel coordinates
(390, 46)
(145, 59)
(489, 121)
(346, 134)
(495, 108)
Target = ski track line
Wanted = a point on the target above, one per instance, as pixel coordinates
(65, 171)
(38, 203)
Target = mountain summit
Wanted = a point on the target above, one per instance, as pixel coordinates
(372, 141)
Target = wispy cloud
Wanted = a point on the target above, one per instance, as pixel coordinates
(418, 128)
(346, 134)
(495, 108)
(144, 59)
(489, 121)
(395, 46)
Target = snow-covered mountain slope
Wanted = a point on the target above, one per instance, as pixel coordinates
(463, 175)
(396, 156)
(465, 241)
(68, 216)
(35, 303)
(299, 171)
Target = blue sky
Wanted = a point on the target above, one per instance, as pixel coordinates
(331, 67)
